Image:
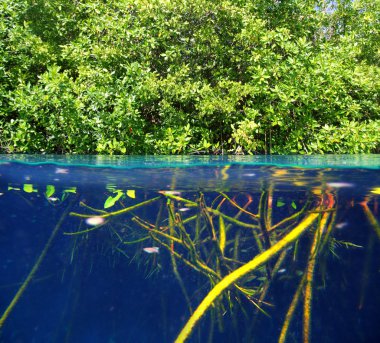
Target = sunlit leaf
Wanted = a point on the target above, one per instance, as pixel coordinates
(131, 193)
(111, 200)
(71, 190)
(28, 188)
(50, 190)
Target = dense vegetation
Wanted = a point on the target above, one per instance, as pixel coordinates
(189, 76)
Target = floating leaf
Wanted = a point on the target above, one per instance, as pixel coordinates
(71, 190)
(131, 193)
(375, 190)
(50, 190)
(294, 205)
(111, 200)
(280, 203)
(28, 188)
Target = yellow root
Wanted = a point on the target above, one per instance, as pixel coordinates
(372, 220)
(291, 310)
(240, 272)
(116, 213)
(308, 297)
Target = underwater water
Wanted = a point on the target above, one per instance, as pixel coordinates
(108, 249)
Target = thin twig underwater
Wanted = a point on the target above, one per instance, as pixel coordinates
(35, 268)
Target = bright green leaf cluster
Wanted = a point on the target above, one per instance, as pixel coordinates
(180, 77)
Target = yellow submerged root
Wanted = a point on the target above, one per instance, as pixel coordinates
(269, 281)
(306, 279)
(238, 207)
(29, 278)
(372, 220)
(291, 310)
(308, 296)
(209, 209)
(240, 272)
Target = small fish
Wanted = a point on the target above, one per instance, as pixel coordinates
(152, 250)
(341, 225)
(283, 270)
(250, 174)
(184, 209)
(1, 194)
(340, 184)
(93, 221)
(53, 199)
(61, 171)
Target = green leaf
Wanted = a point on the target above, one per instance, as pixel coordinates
(131, 193)
(28, 188)
(71, 190)
(50, 190)
(111, 200)
(294, 205)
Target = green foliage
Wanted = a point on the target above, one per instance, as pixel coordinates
(174, 77)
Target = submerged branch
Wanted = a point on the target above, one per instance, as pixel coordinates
(31, 274)
(371, 218)
(308, 296)
(255, 216)
(242, 271)
(116, 213)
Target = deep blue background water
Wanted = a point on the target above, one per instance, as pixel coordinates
(93, 288)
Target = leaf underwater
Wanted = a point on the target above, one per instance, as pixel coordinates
(50, 190)
(111, 200)
(131, 193)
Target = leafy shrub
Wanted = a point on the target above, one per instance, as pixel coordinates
(173, 77)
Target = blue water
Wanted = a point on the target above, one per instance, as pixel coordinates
(116, 282)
